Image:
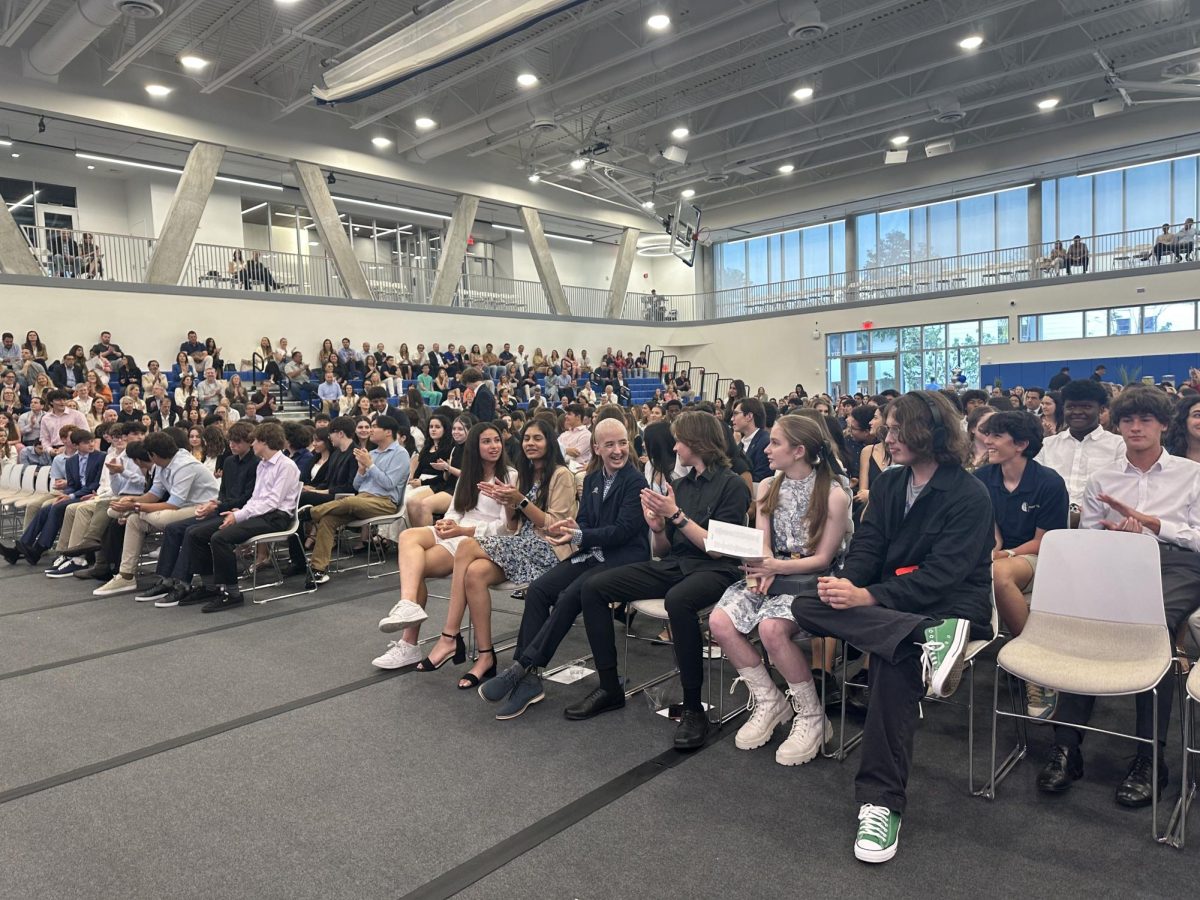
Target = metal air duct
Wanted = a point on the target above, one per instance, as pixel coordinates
(77, 29)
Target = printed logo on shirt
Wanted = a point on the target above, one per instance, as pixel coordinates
(1029, 507)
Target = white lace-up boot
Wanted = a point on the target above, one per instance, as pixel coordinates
(768, 708)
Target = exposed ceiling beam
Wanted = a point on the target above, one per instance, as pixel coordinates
(152, 37)
(276, 45)
(23, 19)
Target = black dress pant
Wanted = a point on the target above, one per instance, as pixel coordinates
(891, 637)
(213, 548)
(1181, 596)
(552, 604)
(686, 596)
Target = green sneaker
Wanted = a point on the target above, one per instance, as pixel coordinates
(878, 834)
(942, 656)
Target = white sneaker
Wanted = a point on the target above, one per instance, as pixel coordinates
(766, 713)
(399, 654)
(120, 584)
(809, 730)
(403, 614)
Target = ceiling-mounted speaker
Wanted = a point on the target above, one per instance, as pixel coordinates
(675, 155)
(895, 157)
(939, 148)
(1109, 106)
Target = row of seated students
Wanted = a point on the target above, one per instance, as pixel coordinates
(909, 584)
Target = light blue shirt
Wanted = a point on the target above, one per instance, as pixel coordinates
(388, 475)
(329, 390)
(184, 482)
(129, 480)
(58, 466)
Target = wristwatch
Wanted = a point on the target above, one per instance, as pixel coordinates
(524, 503)
(678, 513)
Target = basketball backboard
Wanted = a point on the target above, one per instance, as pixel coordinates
(684, 227)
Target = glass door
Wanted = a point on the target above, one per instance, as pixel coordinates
(868, 375)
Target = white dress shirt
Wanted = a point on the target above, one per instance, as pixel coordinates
(1076, 460)
(1169, 490)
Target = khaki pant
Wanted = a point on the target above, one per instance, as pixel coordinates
(136, 527)
(329, 517)
(78, 522)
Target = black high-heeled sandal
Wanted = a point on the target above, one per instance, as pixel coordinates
(472, 680)
(458, 656)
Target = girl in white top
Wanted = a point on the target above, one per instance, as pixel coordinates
(429, 552)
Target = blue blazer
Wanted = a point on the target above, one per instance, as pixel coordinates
(756, 453)
(615, 523)
(80, 485)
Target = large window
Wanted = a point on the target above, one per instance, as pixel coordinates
(977, 224)
(1123, 199)
(24, 197)
(803, 253)
(927, 353)
(1152, 318)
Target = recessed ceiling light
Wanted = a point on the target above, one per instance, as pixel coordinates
(535, 177)
(1048, 103)
(900, 140)
(157, 90)
(527, 79)
(804, 93)
(192, 62)
(16, 156)
(680, 133)
(971, 42)
(91, 167)
(648, 204)
(381, 142)
(787, 169)
(579, 164)
(658, 21)
(687, 194)
(425, 123)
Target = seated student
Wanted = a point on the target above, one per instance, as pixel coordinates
(521, 552)
(212, 545)
(1151, 492)
(380, 482)
(1028, 499)
(804, 514)
(428, 552)
(83, 470)
(174, 570)
(915, 586)
(687, 577)
(86, 522)
(425, 473)
(435, 497)
(608, 531)
(749, 420)
(1083, 447)
(181, 483)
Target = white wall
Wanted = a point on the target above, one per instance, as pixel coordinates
(582, 265)
(779, 351)
(101, 201)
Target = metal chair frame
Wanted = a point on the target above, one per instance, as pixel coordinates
(273, 540)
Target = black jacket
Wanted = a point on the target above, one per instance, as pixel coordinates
(58, 373)
(948, 534)
(615, 523)
(341, 469)
(237, 480)
(483, 407)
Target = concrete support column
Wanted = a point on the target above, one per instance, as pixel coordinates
(174, 243)
(454, 249)
(15, 258)
(1034, 209)
(544, 262)
(622, 269)
(329, 228)
(850, 263)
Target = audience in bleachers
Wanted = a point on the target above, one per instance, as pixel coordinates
(482, 458)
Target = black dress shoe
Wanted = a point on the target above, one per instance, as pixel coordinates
(33, 552)
(1065, 766)
(199, 594)
(1135, 790)
(598, 701)
(223, 601)
(12, 555)
(692, 730)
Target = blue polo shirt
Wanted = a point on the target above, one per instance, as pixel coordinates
(1040, 501)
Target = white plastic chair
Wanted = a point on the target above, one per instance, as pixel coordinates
(273, 540)
(1096, 626)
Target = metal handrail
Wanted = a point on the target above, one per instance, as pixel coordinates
(704, 385)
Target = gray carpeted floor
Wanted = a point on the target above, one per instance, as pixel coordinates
(256, 753)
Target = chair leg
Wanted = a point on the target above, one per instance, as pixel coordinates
(1017, 753)
(1154, 833)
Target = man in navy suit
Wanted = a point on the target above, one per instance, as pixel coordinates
(83, 480)
(609, 530)
(749, 419)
